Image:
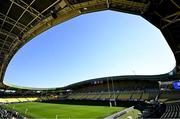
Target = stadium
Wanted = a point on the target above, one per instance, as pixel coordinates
(129, 96)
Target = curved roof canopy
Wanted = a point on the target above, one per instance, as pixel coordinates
(22, 20)
(143, 78)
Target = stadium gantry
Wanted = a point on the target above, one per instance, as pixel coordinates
(21, 21)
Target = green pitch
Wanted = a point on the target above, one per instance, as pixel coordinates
(49, 110)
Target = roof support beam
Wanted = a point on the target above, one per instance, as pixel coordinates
(127, 5)
(170, 19)
(6, 15)
(12, 45)
(5, 50)
(1, 40)
(39, 14)
(107, 2)
(11, 35)
(11, 21)
(172, 15)
(32, 9)
(175, 4)
(1, 43)
(15, 24)
(25, 9)
(68, 4)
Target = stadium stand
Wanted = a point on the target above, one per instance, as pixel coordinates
(24, 95)
(168, 92)
(143, 94)
(34, 17)
(172, 111)
(9, 114)
(117, 89)
(16, 100)
(169, 95)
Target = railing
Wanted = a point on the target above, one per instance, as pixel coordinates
(118, 114)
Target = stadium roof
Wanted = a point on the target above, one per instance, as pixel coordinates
(163, 77)
(21, 20)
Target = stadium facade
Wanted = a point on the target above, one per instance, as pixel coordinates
(21, 21)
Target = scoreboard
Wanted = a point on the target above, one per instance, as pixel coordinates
(176, 85)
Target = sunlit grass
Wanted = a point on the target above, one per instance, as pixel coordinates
(49, 110)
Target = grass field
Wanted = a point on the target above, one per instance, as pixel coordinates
(49, 110)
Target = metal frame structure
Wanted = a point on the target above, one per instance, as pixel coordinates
(22, 20)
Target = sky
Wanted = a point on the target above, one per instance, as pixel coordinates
(94, 45)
